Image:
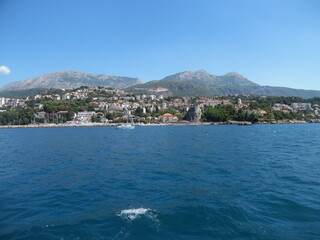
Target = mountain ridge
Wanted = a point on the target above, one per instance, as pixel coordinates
(201, 83)
(187, 83)
(68, 79)
(231, 78)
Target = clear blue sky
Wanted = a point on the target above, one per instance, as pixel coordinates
(271, 42)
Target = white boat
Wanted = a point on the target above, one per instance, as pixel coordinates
(126, 125)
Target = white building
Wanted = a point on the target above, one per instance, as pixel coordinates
(84, 116)
(2, 101)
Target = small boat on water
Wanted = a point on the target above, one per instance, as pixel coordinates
(126, 125)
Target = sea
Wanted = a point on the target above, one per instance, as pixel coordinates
(161, 182)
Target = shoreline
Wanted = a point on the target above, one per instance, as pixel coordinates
(240, 123)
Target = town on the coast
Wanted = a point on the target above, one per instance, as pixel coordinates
(107, 106)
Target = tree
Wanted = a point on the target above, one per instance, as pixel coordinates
(139, 111)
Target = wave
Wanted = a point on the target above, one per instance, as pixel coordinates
(133, 213)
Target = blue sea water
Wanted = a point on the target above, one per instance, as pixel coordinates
(166, 182)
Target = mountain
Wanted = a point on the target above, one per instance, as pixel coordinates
(188, 83)
(71, 79)
(201, 76)
(201, 83)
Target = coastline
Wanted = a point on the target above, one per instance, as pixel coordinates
(243, 123)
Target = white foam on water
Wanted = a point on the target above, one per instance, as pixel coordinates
(133, 213)
(130, 216)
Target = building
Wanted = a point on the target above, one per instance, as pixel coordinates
(62, 113)
(38, 106)
(40, 114)
(168, 117)
(2, 101)
(84, 116)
